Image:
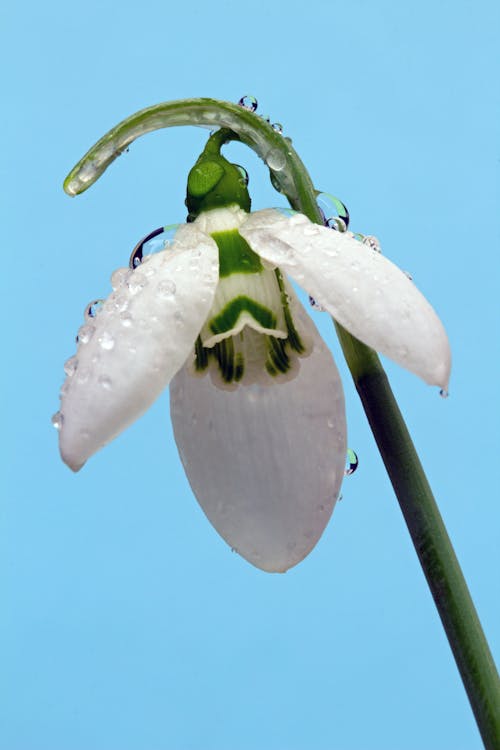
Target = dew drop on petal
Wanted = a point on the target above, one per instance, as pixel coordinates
(408, 275)
(372, 243)
(266, 118)
(85, 333)
(158, 239)
(106, 340)
(444, 393)
(166, 289)
(278, 127)
(136, 282)
(332, 208)
(82, 375)
(276, 159)
(105, 382)
(70, 366)
(351, 463)
(248, 102)
(57, 420)
(93, 309)
(119, 276)
(126, 319)
(336, 223)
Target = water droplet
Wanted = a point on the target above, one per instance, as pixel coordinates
(274, 182)
(408, 275)
(315, 304)
(120, 301)
(82, 375)
(85, 333)
(372, 242)
(278, 127)
(119, 276)
(126, 319)
(106, 340)
(276, 159)
(105, 382)
(244, 174)
(444, 393)
(266, 118)
(233, 549)
(70, 366)
(166, 289)
(351, 463)
(336, 223)
(158, 239)
(248, 102)
(136, 282)
(333, 208)
(57, 420)
(340, 497)
(93, 309)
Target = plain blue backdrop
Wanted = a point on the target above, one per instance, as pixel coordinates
(126, 622)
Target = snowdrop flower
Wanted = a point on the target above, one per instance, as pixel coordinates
(256, 400)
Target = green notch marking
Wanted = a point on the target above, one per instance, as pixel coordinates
(235, 255)
(227, 318)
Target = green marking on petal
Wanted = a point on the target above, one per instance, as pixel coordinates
(226, 319)
(201, 356)
(293, 336)
(235, 255)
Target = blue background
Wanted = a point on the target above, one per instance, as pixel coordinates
(127, 624)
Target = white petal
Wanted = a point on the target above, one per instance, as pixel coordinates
(142, 336)
(366, 293)
(265, 462)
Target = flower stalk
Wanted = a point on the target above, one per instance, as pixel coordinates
(417, 503)
(429, 536)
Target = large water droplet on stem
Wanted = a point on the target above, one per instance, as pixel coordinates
(248, 102)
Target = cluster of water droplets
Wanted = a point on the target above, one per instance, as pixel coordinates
(250, 102)
(159, 239)
(275, 159)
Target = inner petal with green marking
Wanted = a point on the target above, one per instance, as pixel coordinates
(249, 335)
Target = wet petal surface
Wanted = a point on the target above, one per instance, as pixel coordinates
(138, 340)
(366, 293)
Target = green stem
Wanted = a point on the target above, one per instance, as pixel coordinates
(288, 171)
(429, 536)
(419, 508)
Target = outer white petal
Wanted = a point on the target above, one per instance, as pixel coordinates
(265, 462)
(366, 293)
(142, 336)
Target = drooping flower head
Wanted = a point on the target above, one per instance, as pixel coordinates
(256, 400)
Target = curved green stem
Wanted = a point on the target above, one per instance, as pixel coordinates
(419, 508)
(429, 536)
(287, 170)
